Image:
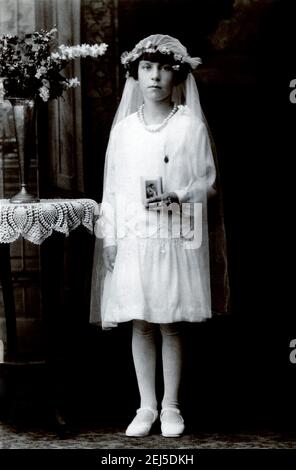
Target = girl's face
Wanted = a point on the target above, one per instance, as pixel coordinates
(155, 80)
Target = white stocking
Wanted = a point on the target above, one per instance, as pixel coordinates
(144, 355)
(172, 363)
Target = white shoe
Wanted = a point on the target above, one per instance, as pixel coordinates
(141, 428)
(169, 427)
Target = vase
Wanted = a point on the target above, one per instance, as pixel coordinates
(24, 116)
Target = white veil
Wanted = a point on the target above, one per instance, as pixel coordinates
(132, 98)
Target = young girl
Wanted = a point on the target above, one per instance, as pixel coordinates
(156, 262)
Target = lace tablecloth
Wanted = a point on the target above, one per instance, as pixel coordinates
(37, 221)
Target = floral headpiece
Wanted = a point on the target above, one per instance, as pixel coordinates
(163, 44)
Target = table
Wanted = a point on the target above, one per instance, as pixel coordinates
(35, 222)
(47, 220)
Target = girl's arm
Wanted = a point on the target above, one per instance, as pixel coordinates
(198, 162)
(201, 163)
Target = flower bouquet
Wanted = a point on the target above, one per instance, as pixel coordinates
(30, 69)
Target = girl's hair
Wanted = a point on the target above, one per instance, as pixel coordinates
(180, 73)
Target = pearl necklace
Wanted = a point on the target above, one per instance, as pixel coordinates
(158, 127)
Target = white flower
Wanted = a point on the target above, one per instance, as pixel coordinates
(72, 83)
(55, 55)
(41, 71)
(178, 57)
(83, 50)
(164, 50)
(127, 57)
(150, 49)
(99, 49)
(124, 57)
(44, 93)
(66, 51)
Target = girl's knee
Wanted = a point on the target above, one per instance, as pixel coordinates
(143, 327)
(169, 329)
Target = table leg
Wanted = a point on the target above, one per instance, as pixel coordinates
(52, 288)
(8, 299)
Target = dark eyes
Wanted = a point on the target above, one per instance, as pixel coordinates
(165, 67)
(168, 68)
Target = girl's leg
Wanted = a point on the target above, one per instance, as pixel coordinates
(172, 363)
(172, 421)
(144, 356)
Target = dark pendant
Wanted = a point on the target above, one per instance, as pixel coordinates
(166, 159)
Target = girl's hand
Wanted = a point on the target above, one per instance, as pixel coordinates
(166, 198)
(109, 256)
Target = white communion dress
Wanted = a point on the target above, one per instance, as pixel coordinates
(161, 272)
